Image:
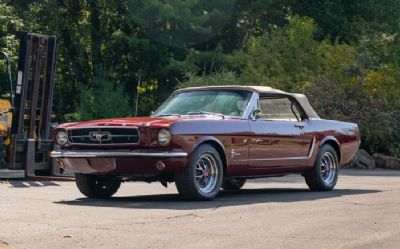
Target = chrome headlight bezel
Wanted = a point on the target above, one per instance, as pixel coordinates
(164, 137)
(61, 137)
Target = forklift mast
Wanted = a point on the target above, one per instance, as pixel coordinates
(31, 138)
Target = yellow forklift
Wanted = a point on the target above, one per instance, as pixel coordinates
(25, 112)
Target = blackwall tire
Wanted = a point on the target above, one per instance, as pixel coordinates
(233, 184)
(202, 177)
(99, 187)
(324, 175)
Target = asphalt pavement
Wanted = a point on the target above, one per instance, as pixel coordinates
(362, 212)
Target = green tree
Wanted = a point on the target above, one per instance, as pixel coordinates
(213, 79)
(103, 99)
(181, 23)
(9, 24)
(349, 20)
(283, 58)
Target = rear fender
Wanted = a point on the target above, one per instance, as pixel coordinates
(331, 140)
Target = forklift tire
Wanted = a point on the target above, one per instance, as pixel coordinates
(97, 187)
(3, 163)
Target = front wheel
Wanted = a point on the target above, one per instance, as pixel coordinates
(94, 186)
(202, 177)
(324, 175)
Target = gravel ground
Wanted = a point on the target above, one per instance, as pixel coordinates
(362, 212)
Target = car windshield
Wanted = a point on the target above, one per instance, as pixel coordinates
(225, 102)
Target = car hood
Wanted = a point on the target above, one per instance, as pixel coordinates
(138, 121)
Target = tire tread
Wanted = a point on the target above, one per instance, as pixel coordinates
(313, 177)
(86, 185)
(186, 184)
(229, 185)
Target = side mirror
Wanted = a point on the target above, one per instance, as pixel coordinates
(256, 114)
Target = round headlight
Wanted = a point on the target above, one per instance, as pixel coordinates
(61, 137)
(163, 137)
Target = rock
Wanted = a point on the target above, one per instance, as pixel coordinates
(379, 161)
(353, 163)
(365, 159)
(387, 162)
(362, 160)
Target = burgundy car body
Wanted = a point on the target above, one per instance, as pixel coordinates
(249, 147)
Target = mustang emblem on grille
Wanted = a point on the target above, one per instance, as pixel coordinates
(100, 136)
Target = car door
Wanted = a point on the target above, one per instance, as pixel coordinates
(277, 134)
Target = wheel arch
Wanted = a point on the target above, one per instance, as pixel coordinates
(332, 141)
(218, 145)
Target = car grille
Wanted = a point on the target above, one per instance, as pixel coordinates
(103, 135)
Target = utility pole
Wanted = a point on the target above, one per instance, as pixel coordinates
(137, 97)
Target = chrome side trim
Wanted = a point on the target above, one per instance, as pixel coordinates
(310, 154)
(115, 154)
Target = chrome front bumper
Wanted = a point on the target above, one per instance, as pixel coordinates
(116, 154)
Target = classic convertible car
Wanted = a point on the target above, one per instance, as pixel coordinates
(208, 138)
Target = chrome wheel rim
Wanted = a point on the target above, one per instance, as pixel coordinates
(206, 173)
(328, 168)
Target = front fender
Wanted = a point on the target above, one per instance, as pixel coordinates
(206, 139)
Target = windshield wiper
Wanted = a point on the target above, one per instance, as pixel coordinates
(171, 114)
(206, 113)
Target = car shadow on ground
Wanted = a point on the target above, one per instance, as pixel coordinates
(224, 199)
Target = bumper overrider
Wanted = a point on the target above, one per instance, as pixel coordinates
(120, 162)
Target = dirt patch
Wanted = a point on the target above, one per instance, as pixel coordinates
(4, 244)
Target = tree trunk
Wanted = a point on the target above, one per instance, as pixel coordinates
(96, 36)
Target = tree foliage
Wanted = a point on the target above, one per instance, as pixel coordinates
(181, 23)
(102, 99)
(9, 24)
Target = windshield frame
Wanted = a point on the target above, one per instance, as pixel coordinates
(246, 113)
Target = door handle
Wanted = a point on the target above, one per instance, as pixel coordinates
(300, 126)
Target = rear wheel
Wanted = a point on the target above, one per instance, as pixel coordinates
(324, 175)
(233, 183)
(94, 186)
(202, 178)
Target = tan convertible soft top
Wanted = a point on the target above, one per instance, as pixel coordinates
(301, 98)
